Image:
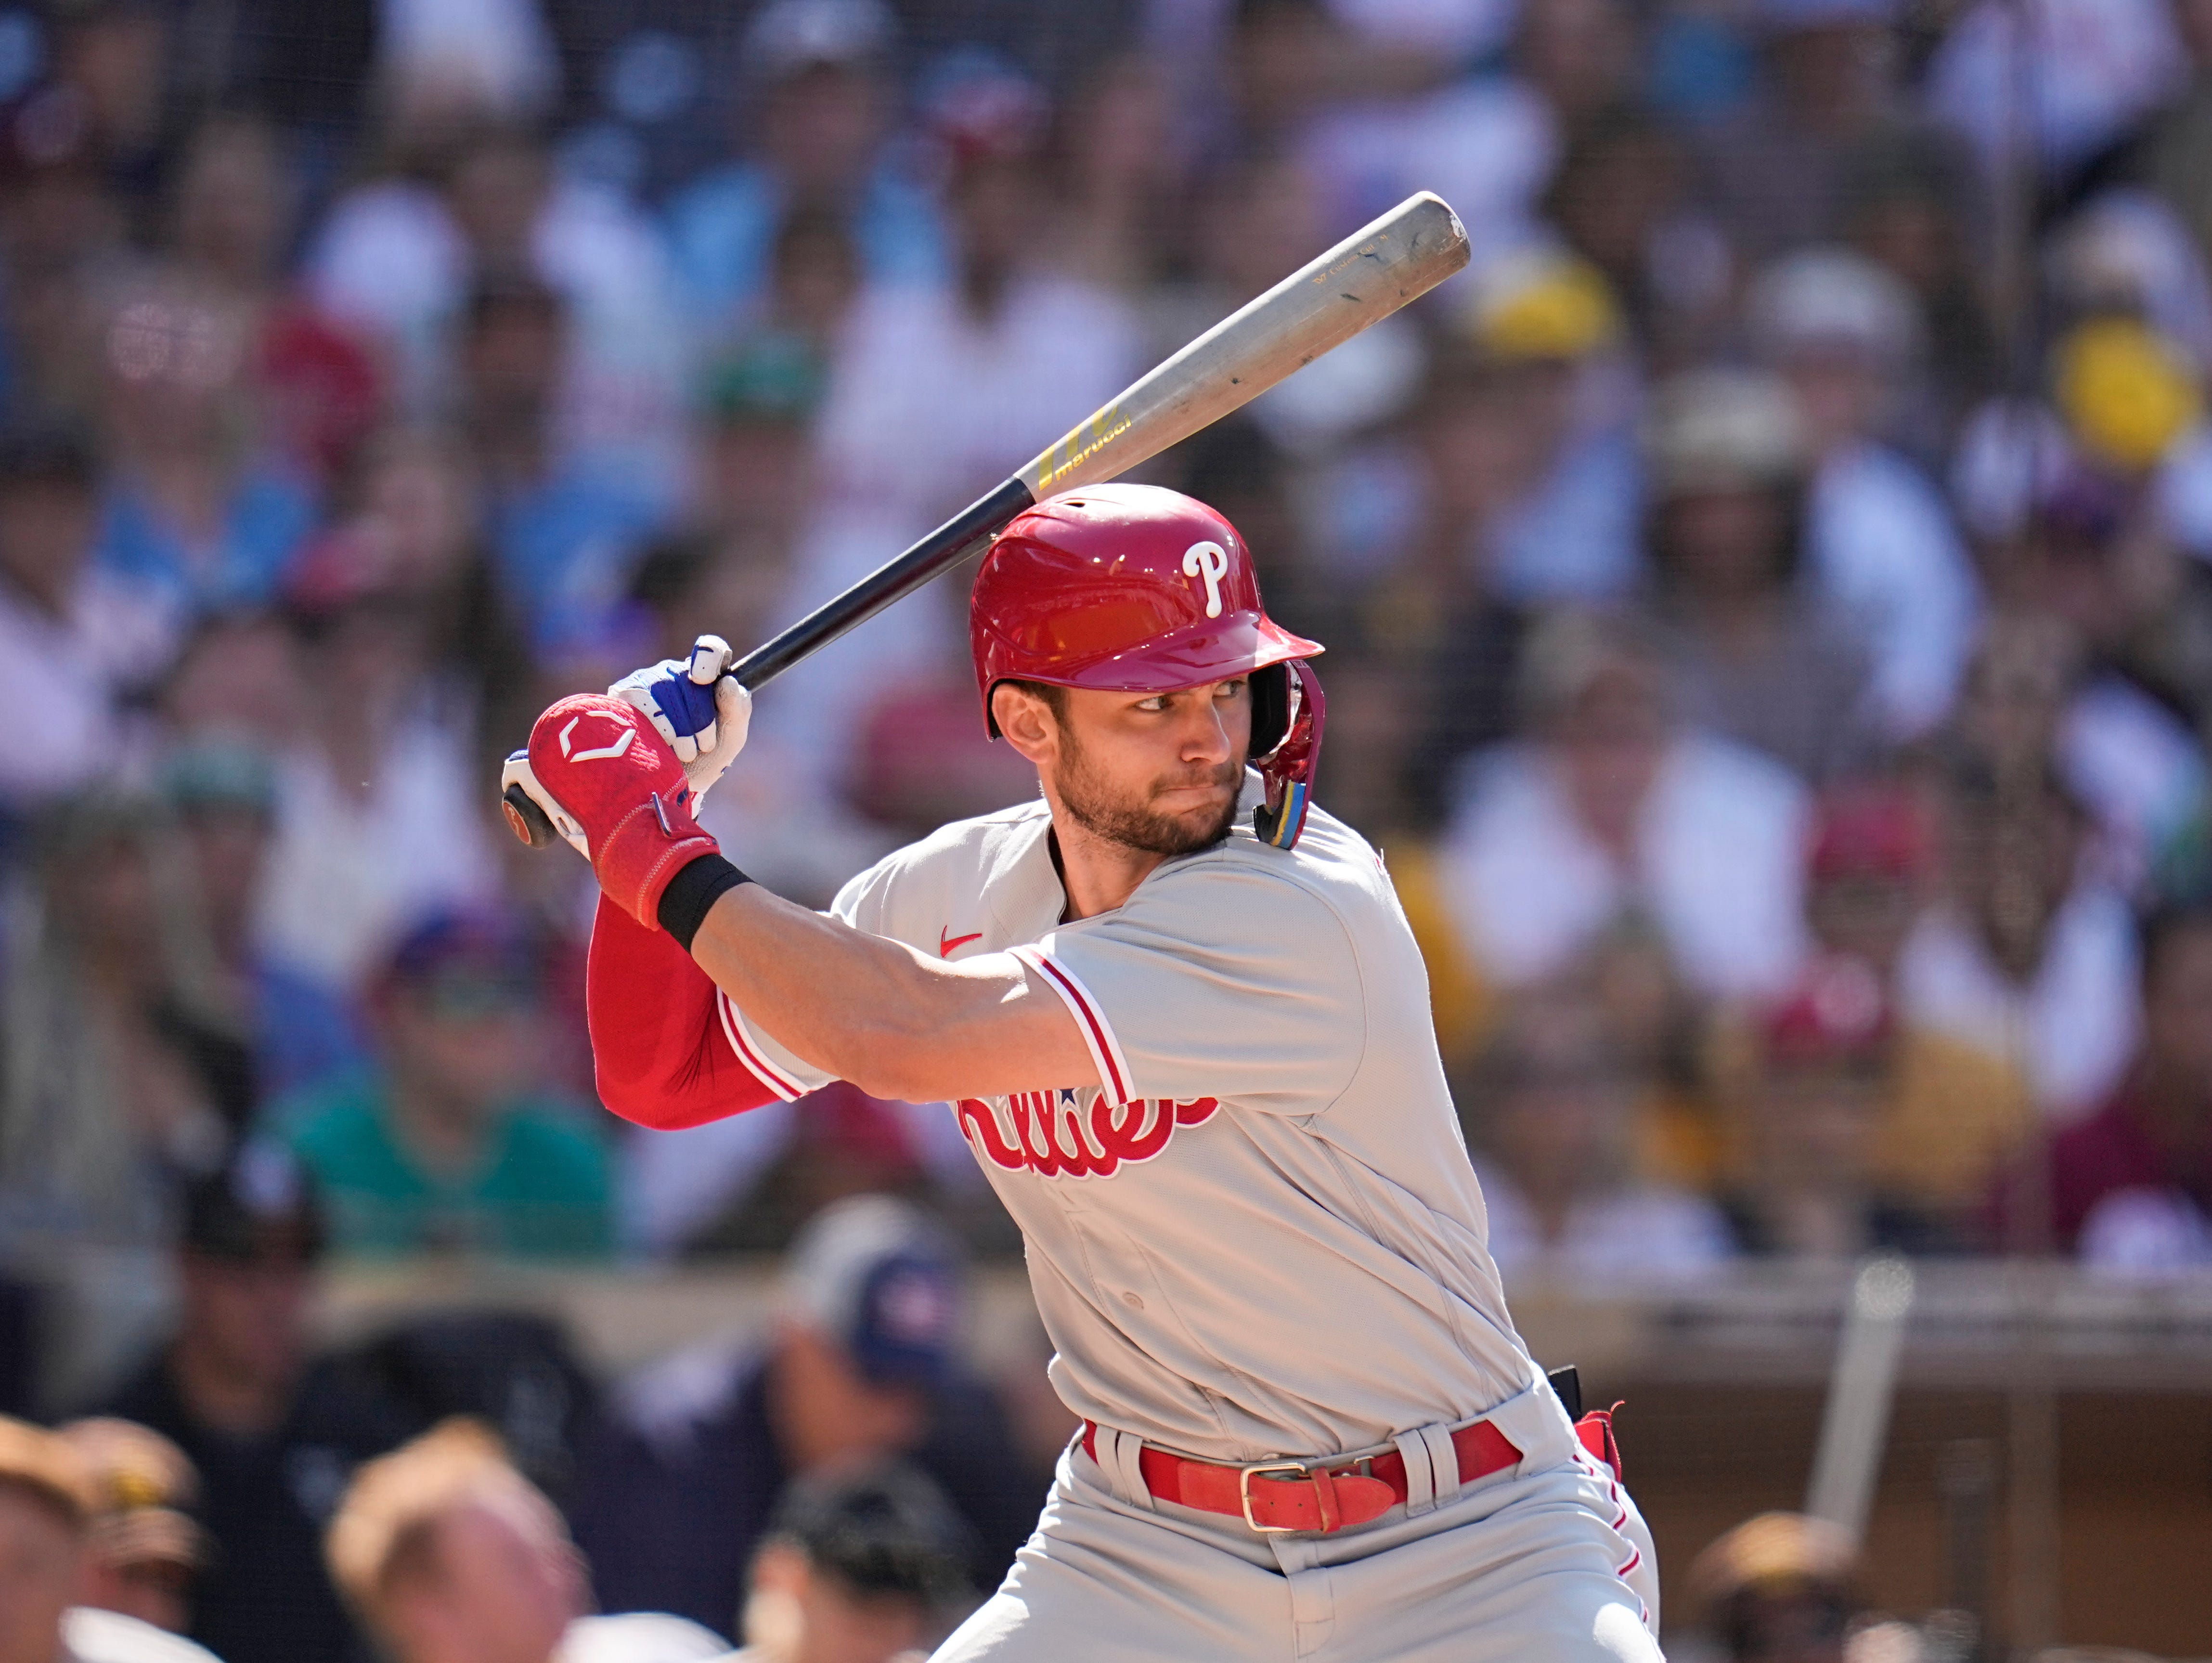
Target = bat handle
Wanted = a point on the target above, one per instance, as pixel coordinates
(949, 545)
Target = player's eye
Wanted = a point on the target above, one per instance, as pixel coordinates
(1236, 688)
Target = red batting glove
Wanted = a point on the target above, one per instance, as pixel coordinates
(602, 764)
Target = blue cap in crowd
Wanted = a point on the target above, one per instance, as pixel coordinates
(875, 1277)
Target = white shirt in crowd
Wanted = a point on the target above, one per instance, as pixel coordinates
(1718, 867)
(91, 1635)
(2072, 1029)
(2096, 67)
(59, 679)
(1639, 1234)
(639, 1637)
(1883, 546)
(347, 875)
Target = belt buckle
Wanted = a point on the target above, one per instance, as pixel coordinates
(1244, 1476)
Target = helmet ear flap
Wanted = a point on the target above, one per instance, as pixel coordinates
(1287, 768)
(1270, 708)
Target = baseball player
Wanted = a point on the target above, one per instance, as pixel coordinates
(1184, 1026)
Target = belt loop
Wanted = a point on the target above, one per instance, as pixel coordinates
(1443, 1461)
(1118, 1457)
(1420, 1478)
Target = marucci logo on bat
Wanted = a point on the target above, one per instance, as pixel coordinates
(1054, 1136)
(1108, 426)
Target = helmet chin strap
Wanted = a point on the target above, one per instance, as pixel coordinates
(1287, 770)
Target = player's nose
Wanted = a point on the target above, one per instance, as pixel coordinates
(1204, 731)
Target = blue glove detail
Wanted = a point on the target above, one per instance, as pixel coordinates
(688, 707)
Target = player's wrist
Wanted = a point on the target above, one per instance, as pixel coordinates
(690, 895)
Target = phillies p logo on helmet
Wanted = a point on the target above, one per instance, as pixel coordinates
(1211, 561)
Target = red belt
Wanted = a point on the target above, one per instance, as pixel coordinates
(1278, 1495)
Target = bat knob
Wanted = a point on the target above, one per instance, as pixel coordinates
(527, 819)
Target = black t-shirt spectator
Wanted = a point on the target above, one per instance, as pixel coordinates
(680, 1481)
(266, 1598)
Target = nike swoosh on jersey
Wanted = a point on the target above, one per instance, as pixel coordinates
(948, 943)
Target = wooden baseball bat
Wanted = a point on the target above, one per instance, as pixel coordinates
(1364, 278)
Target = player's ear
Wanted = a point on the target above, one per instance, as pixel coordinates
(1026, 722)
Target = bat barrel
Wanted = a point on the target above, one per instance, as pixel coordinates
(949, 545)
(1384, 266)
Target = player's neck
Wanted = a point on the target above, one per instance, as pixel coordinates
(1097, 873)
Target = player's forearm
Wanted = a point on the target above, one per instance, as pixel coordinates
(877, 1012)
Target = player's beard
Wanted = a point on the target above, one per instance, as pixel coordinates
(1093, 804)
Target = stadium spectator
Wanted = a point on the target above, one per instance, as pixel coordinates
(128, 1072)
(399, 258)
(1911, 207)
(1947, 1111)
(1621, 198)
(449, 1555)
(231, 227)
(378, 814)
(2030, 953)
(235, 679)
(1550, 330)
(2173, 145)
(108, 80)
(872, 1568)
(2082, 519)
(47, 1505)
(1808, 1123)
(223, 796)
(1758, 652)
(202, 511)
(455, 1144)
(76, 641)
(1779, 1588)
(677, 1491)
(1774, 168)
(2096, 68)
(824, 97)
(1609, 806)
(143, 1548)
(1432, 614)
(272, 1433)
(756, 476)
(2129, 1188)
(1846, 336)
(1549, 1114)
(563, 523)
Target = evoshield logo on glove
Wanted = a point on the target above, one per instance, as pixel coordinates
(605, 753)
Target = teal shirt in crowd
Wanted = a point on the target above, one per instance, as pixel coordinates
(542, 1189)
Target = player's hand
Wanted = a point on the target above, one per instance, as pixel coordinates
(614, 789)
(697, 705)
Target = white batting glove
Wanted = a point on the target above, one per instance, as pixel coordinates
(697, 706)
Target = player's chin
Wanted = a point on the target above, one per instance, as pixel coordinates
(1203, 824)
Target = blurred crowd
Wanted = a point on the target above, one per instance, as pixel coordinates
(1769, 596)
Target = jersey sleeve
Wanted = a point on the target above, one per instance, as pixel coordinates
(668, 1048)
(1221, 982)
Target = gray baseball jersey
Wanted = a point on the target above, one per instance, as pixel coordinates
(1255, 1232)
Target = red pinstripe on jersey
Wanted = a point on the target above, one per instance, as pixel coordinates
(1098, 1034)
(749, 1053)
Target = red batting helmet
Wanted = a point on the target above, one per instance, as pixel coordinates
(1134, 588)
